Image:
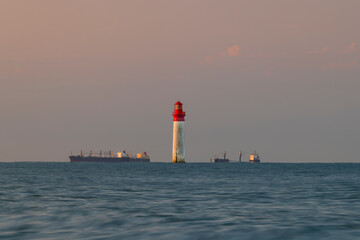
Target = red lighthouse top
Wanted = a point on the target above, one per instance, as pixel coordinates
(178, 113)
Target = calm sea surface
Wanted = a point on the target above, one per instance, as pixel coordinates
(179, 201)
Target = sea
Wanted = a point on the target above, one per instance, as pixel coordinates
(63, 200)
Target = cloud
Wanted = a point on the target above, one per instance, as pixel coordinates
(318, 51)
(343, 65)
(209, 59)
(233, 51)
(270, 71)
(223, 56)
(351, 48)
(261, 53)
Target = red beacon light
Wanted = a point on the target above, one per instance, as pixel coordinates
(178, 113)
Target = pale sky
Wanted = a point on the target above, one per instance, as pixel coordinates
(281, 77)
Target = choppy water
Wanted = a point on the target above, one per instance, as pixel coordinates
(179, 201)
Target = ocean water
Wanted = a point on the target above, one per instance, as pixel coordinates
(179, 201)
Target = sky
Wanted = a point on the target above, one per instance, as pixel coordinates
(281, 77)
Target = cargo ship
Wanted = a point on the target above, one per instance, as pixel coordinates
(254, 158)
(221, 160)
(110, 157)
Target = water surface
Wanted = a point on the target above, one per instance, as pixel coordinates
(179, 201)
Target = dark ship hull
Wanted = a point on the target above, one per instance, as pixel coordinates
(106, 159)
(221, 160)
(254, 161)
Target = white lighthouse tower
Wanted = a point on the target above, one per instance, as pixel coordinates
(178, 152)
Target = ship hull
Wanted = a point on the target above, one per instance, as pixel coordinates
(254, 161)
(221, 160)
(106, 159)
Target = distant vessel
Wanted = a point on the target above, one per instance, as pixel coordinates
(221, 160)
(109, 157)
(254, 158)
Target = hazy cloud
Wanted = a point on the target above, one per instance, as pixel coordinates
(283, 53)
(343, 65)
(261, 53)
(233, 51)
(222, 56)
(209, 59)
(270, 71)
(318, 51)
(350, 48)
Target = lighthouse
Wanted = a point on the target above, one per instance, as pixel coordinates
(178, 152)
